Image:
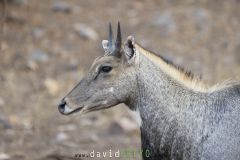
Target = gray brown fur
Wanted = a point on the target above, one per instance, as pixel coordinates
(180, 120)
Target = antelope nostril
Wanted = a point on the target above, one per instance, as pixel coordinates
(61, 106)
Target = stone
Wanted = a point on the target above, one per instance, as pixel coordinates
(4, 156)
(128, 125)
(202, 20)
(116, 129)
(38, 33)
(59, 6)
(51, 85)
(39, 55)
(67, 127)
(165, 22)
(32, 65)
(18, 2)
(4, 123)
(85, 31)
(2, 102)
(61, 136)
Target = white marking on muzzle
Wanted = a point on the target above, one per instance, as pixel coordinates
(111, 89)
(67, 109)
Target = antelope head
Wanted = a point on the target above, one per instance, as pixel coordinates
(111, 79)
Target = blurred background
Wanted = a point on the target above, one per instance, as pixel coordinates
(47, 46)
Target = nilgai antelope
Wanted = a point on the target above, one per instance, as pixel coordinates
(180, 117)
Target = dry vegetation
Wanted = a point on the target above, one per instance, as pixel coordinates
(48, 45)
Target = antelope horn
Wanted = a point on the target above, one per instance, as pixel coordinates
(118, 43)
(110, 38)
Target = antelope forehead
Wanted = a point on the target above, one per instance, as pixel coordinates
(103, 59)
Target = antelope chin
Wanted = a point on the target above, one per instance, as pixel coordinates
(68, 110)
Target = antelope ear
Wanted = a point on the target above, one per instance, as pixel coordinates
(105, 46)
(130, 50)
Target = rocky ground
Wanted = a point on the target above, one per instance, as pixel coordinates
(47, 45)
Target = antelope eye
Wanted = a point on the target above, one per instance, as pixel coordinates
(106, 69)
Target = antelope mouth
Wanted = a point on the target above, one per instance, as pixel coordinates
(64, 109)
